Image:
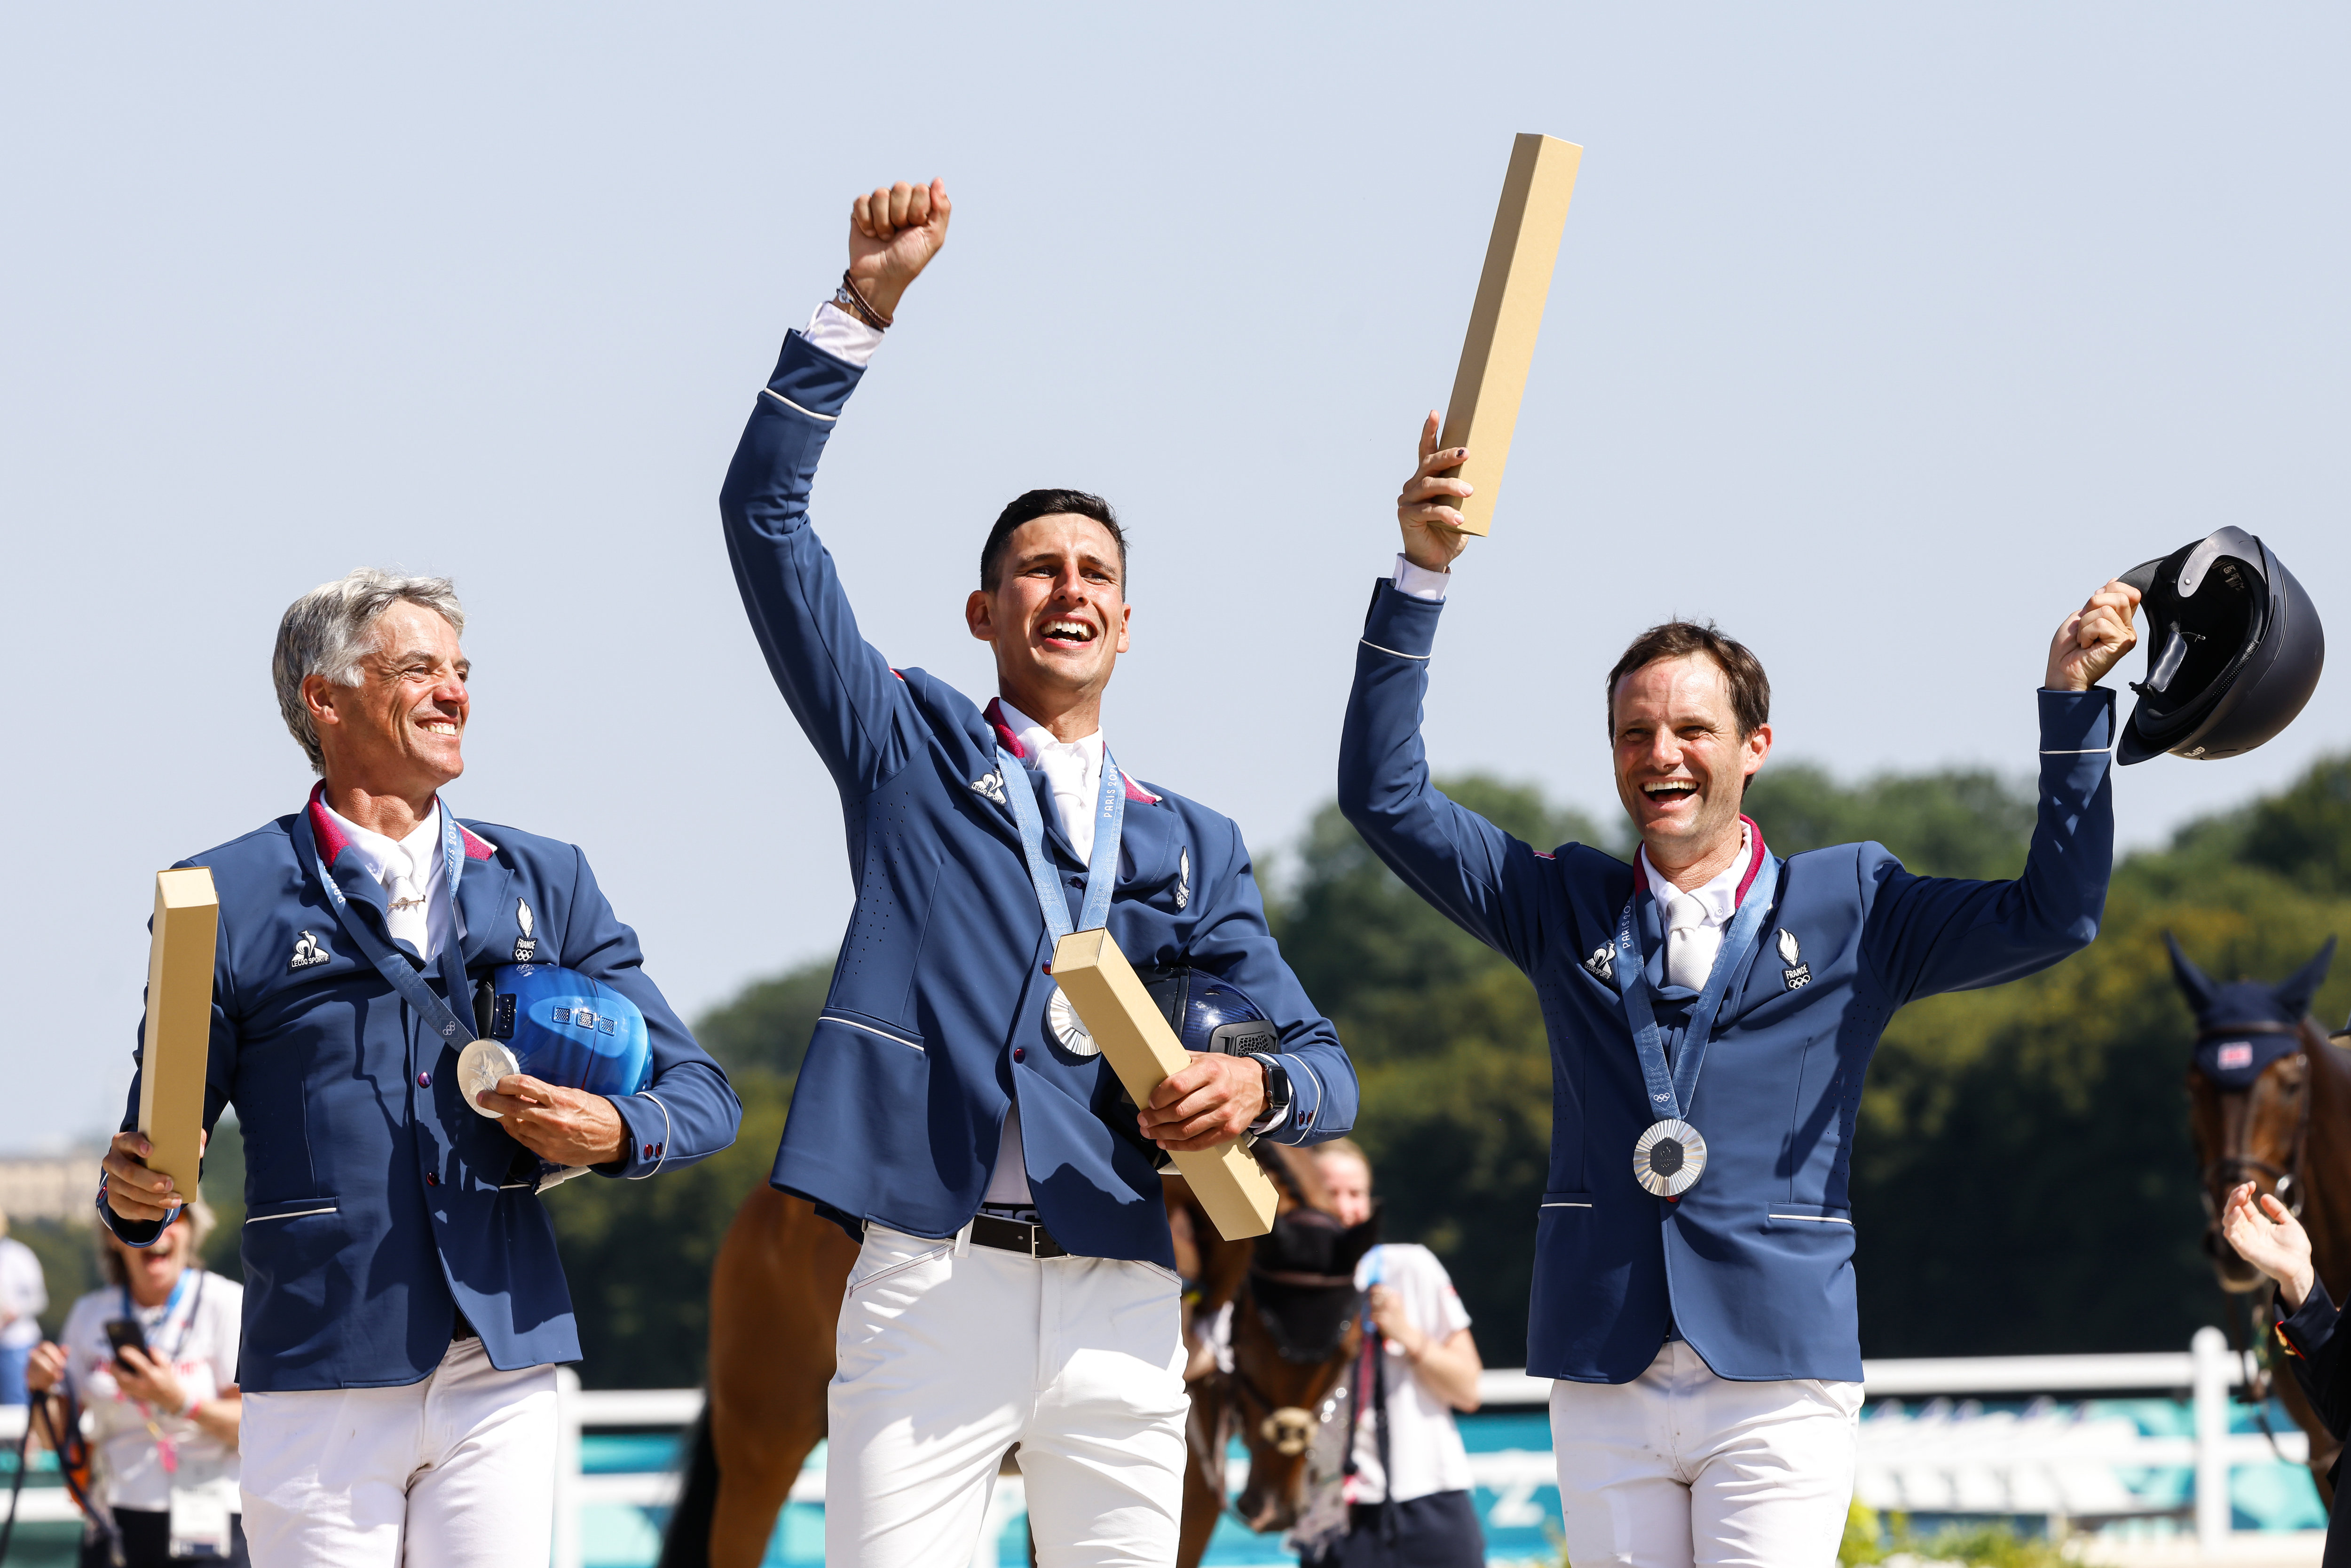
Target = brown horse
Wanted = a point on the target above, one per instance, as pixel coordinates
(1283, 1310)
(775, 1306)
(2270, 1103)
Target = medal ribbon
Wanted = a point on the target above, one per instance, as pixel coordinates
(390, 963)
(1101, 870)
(1671, 1091)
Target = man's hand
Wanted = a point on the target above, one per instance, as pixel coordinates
(1213, 1100)
(1432, 529)
(2093, 639)
(892, 234)
(567, 1127)
(2272, 1240)
(133, 1191)
(150, 1380)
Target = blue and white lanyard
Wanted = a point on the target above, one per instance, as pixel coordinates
(403, 975)
(1101, 870)
(170, 1305)
(1671, 1091)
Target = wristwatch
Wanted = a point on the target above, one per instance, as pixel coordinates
(1277, 1090)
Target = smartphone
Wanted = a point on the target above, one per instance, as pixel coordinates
(124, 1334)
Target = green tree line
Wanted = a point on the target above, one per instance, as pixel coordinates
(2023, 1179)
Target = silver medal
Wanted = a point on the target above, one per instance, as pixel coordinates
(1669, 1158)
(479, 1067)
(1068, 1028)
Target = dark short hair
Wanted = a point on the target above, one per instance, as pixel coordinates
(1035, 504)
(1742, 672)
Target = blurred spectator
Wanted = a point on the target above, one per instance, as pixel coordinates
(164, 1419)
(24, 1295)
(1406, 1481)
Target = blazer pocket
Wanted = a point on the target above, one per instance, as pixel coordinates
(1807, 1217)
(291, 1208)
(1567, 1200)
(872, 1027)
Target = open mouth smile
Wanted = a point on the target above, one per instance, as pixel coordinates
(1066, 633)
(1669, 792)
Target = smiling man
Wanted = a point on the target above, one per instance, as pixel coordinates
(1713, 1008)
(404, 1306)
(1016, 1282)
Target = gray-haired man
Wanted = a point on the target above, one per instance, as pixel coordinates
(404, 1305)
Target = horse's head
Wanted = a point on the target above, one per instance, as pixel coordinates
(2249, 1086)
(1295, 1329)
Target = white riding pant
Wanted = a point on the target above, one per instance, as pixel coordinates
(949, 1355)
(456, 1471)
(1679, 1467)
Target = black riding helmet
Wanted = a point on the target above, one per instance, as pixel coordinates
(2233, 650)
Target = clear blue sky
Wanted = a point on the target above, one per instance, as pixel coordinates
(1881, 334)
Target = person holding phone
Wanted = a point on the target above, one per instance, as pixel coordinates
(2267, 1234)
(152, 1358)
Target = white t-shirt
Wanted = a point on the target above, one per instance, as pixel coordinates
(1423, 1443)
(22, 1295)
(200, 1333)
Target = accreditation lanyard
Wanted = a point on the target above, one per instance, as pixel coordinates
(1101, 870)
(1671, 1090)
(167, 1452)
(390, 963)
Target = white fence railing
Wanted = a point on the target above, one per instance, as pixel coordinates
(2035, 1463)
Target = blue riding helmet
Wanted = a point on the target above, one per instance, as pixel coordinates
(1211, 1014)
(559, 1027)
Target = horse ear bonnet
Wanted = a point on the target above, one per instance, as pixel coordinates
(1302, 1277)
(2233, 650)
(2243, 1026)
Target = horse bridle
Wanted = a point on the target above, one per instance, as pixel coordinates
(2286, 1182)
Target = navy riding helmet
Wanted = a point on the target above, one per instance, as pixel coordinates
(558, 1026)
(2243, 1026)
(2233, 650)
(1210, 1014)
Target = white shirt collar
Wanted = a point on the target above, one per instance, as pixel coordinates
(1720, 895)
(423, 846)
(1036, 740)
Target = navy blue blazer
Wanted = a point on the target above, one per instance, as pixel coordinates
(378, 1204)
(936, 1019)
(1753, 1265)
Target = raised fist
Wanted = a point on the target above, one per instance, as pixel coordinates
(892, 234)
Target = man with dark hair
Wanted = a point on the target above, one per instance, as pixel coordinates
(1016, 1280)
(1694, 1285)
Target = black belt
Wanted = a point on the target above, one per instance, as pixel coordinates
(1013, 1236)
(461, 1329)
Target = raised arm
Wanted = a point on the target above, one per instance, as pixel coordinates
(1927, 934)
(839, 686)
(1480, 876)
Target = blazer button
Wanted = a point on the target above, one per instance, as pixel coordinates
(424, 1081)
(649, 1150)
(432, 1180)
(1020, 1053)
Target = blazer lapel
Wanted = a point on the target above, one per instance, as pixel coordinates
(1055, 834)
(484, 909)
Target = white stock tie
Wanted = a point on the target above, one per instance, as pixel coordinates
(1691, 943)
(1065, 774)
(404, 891)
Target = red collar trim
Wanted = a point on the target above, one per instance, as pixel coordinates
(1135, 792)
(1754, 860)
(994, 714)
(333, 841)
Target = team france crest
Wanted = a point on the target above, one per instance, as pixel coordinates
(1798, 973)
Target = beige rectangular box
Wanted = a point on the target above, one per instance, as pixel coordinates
(1143, 1052)
(177, 1044)
(1501, 348)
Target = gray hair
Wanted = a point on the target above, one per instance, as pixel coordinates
(330, 629)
